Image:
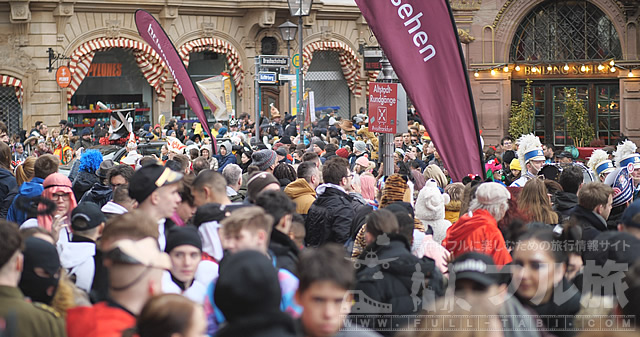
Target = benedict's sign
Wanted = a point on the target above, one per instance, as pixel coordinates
(566, 70)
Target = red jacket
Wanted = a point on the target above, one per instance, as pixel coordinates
(101, 320)
(478, 233)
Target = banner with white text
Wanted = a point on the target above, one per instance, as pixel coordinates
(421, 41)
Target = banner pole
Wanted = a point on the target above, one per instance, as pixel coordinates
(256, 89)
(466, 77)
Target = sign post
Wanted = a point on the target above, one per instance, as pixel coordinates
(387, 108)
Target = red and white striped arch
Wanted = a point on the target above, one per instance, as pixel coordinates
(10, 81)
(348, 61)
(217, 46)
(151, 65)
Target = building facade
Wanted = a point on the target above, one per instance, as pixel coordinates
(108, 62)
(590, 45)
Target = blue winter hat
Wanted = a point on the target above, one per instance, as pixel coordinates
(222, 131)
(620, 181)
(86, 131)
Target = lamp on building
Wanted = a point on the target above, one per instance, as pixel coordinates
(630, 74)
(288, 33)
(476, 74)
(506, 68)
(517, 68)
(300, 8)
(566, 67)
(493, 72)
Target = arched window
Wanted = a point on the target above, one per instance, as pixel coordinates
(565, 31)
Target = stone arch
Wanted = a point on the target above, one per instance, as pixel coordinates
(219, 46)
(10, 81)
(349, 60)
(509, 17)
(151, 66)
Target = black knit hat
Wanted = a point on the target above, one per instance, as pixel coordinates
(179, 236)
(263, 159)
(248, 285)
(258, 182)
(150, 177)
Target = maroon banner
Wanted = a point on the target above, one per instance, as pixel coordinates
(152, 33)
(421, 41)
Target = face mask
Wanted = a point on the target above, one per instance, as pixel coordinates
(40, 254)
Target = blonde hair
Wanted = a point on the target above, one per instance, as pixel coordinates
(25, 171)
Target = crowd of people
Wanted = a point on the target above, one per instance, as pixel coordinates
(303, 235)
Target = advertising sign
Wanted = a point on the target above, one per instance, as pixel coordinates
(63, 77)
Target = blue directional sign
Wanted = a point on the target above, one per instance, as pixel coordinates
(267, 77)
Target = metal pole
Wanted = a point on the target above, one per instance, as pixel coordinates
(386, 148)
(289, 72)
(301, 82)
(256, 89)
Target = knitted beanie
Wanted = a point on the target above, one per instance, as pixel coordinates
(343, 153)
(359, 146)
(263, 159)
(320, 143)
(258, 182)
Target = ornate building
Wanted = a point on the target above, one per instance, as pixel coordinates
(108, 61)
(590, 45)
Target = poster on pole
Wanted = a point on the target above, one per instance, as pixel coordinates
(213, 91)
(151, 32)
(420, 40)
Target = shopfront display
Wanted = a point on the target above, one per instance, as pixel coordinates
(114, 79)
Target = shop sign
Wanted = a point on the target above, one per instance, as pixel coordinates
(568, 70)
(63, 76)
(296, 60)
(383, 107)
(105, 70)
(372, 57)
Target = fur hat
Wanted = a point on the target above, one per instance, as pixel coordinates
(395, 188)
(529, 148)
(430, 203)
(600, 163)
(626, 154)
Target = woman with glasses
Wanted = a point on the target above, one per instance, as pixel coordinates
(57, 188)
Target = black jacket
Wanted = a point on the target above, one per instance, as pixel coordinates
(329, 218)
(98, 194)
(285, 251)
(267, 324)
(564, 204)
(8, 191)
(394, 276)
(560, 315)
(591, 224)
(83, 182)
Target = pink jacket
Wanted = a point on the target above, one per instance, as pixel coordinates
(433, 250)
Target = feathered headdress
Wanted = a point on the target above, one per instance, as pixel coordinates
(600, 163)
(529, 148)
(625, 154)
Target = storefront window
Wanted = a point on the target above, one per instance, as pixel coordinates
(608, 113)
(565, 30)
(114, 79)
(539, 114)
(559, 107)
(326, 79)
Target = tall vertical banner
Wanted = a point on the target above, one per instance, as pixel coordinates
(152, 33)
(421, 41)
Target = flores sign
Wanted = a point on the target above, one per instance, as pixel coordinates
(387, 108)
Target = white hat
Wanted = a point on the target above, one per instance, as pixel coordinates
(626, 154)
(529, 148)
(599, 162)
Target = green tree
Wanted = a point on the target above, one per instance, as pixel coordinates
(521, 119)
(577, 119)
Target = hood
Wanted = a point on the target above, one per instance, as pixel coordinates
(228, 146)
(565, 201)
(298, 188)
(31, 189)
(328, 187)
(73, 254)
(5, 174)
(467, 224)
(113, 208)
(98, 190)
(211, 240)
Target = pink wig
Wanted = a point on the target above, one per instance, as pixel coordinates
(53, 184)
